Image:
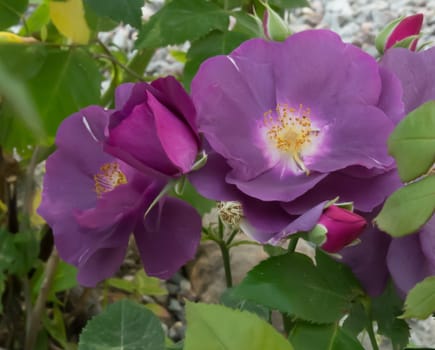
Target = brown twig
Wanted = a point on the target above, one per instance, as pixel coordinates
(35, 320)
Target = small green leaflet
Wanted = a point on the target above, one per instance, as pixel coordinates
(124, 325)
(216, 327)
(420, 301)
(126, 11)
(182, 20)
(11, 12)
(306, 336)
(412, 143)
(408, 209)
(292, 284)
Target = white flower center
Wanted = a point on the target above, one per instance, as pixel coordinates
(290, 132)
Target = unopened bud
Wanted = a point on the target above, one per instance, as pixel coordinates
(275, 28)
(402, 32)
(342, 227)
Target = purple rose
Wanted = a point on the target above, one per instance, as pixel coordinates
(293, 124)
(94, 201)
(153, 127)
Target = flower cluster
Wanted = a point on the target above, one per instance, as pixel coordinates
(288, 127)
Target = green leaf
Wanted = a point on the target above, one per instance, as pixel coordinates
(147, 285)
(121, 284)
(216, 327)
(55, 326)
(177, 346)
(141, 284)
(126, 11)
(37, 21)
(408, 209)
(339, 275)
(42, 340)
(124, 325)
(229, 4)
(357, 319)
(65, 278)
(18, 252)
(26, 253)
(386, 308)
(289, 4)
(215, 43)
(11, 12)
(293, 284)
(230, 300)
(248, 24)
(22, 62)
(15, 99)
(7, 250)
(71, 81)
(273, 250)
(322, 337)
(201, 204)
(182, 20)
(412, 143)
(420, 301)
(64, 82)
(98, 23)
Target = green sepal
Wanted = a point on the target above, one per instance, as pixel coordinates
(382, 37)
(406, 43)
(275, 27)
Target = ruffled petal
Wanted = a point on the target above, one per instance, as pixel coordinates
(415, 71)
(315, 68)
(303, 223)
(344, 140)
(178, 141)
(231, 119)
(173, 95)
(407, 263)
(367, 259)
(69, 181)
(135, 137)
(168, 237)
(96, 253)
(277, 184)
(391, 99)
(210, 182)
(366, 192)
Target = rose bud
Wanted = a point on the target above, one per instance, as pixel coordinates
(342, 228)
(153, 128)
(402, 32)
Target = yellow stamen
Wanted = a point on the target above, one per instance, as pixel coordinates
(290, 131)
(110, 176)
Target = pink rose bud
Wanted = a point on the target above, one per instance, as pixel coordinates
(402, 32)
(343, 227)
